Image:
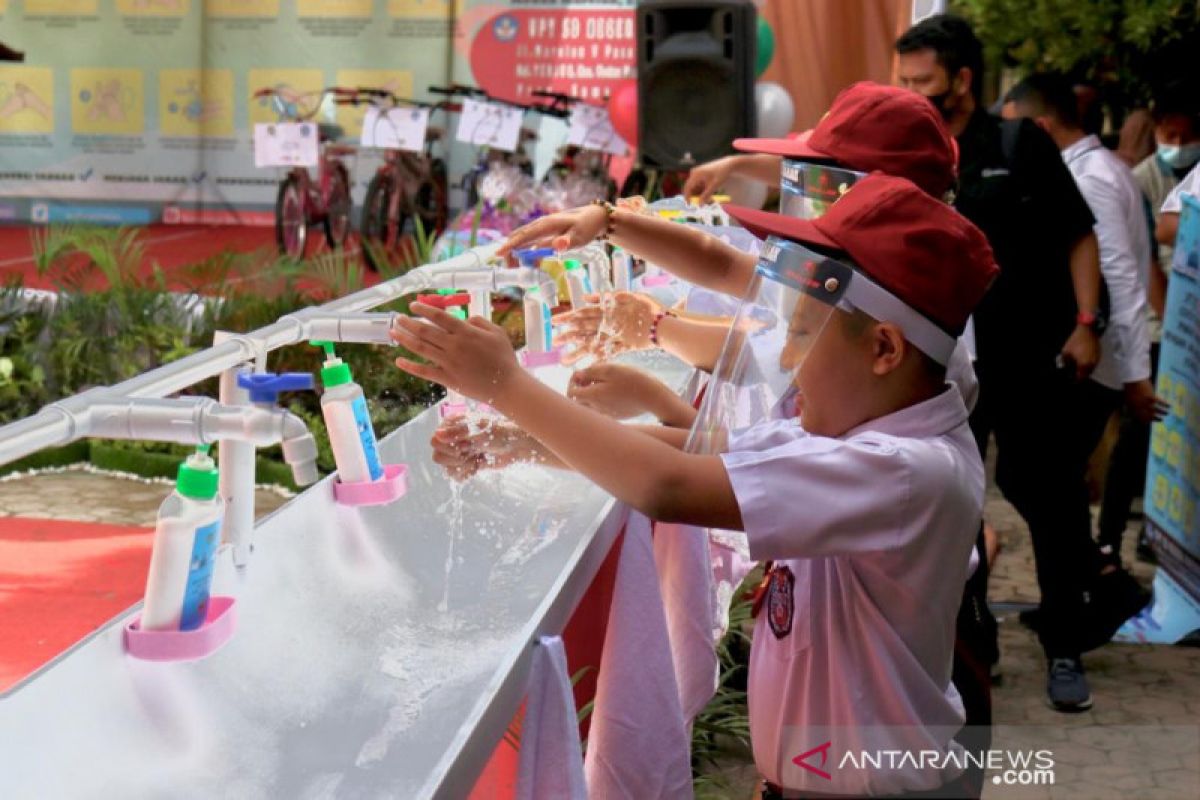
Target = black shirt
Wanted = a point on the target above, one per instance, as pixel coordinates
(1014, 185)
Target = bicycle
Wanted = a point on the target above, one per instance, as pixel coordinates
(408, 187)
(302, 201)
(490, 157)
(589, 161)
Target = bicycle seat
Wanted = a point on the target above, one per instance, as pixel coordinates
(330, 132)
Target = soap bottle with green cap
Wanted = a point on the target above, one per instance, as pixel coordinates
(185, 549)
(454, 401)
(351, 435)
(579, 283)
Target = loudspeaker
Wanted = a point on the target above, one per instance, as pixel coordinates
(695, 79)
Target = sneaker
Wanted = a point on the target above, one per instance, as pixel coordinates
(1067, 687)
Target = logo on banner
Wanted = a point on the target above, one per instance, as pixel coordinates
(505, 28)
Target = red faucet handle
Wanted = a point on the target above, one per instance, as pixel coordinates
(445, 301)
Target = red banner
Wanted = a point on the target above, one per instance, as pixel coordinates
(582, 53)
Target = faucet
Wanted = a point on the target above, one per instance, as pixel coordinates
(98, 413)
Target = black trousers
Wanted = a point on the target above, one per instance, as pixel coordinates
(1126, 476)
(1046, 425)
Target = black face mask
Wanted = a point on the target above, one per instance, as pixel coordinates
(939, 102)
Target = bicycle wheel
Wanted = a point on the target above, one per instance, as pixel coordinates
(291, 227)
(377, 231)
(337, 209)
(429, 204)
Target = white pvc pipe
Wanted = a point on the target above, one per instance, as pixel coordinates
(50, 427)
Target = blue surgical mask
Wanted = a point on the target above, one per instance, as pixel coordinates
(1179, 156)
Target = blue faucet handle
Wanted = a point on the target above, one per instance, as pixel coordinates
(265, 387)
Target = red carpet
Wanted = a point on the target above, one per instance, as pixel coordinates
(59, 581)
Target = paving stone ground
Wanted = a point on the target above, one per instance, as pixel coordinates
(1141, 741)
(83, 496)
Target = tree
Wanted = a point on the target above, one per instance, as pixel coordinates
(1127, 49)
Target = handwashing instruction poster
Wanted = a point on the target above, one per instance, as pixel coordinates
(148, 107)
(1173, 472)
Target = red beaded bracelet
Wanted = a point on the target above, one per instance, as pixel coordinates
(654, 325)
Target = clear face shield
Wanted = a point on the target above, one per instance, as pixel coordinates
(790, 300)
(794, 294)
(807, 189)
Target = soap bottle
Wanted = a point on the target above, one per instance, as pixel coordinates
(579, 284)
(556, 269)
(454, 400)
(622, 270)
(539, 335)
(351, 436)
(185, 547)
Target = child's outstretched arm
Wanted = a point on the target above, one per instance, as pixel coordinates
(628, 322)
(475, 358)
(691, 254)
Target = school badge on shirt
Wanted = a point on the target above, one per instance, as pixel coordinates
(780, 603)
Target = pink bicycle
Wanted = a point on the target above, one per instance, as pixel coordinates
(302, 200)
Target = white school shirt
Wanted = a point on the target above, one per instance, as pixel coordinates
(1115, 199)
(876, 527)
(1189, 185)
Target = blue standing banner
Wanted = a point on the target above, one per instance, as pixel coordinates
(1173, 472)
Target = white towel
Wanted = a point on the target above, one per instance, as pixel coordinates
(551, 765)
(639, 744)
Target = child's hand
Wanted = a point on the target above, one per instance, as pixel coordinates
(617, 390)
(472, 357)
(594, 330)
(492, 444)
(562, 231)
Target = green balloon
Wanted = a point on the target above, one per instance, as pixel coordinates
(766, 47)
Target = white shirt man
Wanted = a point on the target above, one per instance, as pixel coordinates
(1115, 199)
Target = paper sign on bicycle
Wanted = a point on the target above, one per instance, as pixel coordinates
(490, 125)
(395, 128)
(591, 129)
(285, 144)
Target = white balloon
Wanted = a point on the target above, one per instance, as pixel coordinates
(745, 192)
(776, 111)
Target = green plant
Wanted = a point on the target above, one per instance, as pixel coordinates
(722, 729)
(23, 387)
(1127, 48)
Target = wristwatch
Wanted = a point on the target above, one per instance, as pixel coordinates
(1092, 319)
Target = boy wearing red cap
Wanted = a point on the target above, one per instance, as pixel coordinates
(869, 128)
(867, 507)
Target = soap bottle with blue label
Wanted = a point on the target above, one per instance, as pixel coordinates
(351, 435)
(539, 333)
(185, 549)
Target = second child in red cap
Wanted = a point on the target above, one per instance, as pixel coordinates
(869, 128)
(866, 507)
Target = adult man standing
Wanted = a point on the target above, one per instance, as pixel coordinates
(1125, 260)
(1037, 338)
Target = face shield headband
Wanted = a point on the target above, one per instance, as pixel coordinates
(807, 189)
(839, 284)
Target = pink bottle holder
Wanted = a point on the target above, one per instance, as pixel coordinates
(531, 360)
(448, 410)
(392, 486)
(651, 281)
(210, 637)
